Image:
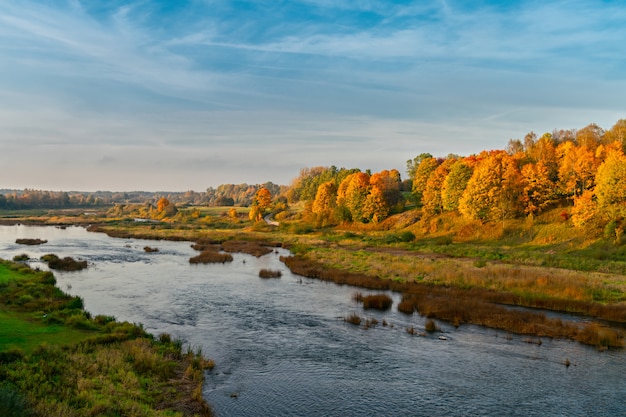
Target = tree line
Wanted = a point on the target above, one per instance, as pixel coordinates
(583, 170)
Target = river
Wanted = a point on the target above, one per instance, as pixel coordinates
(282, 349)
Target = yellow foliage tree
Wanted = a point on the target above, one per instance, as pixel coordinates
(454, 185)
(493, 191)
(432, 198)
(611, 180)
(351, 195)
(325, 200)
(260, 204)
(538, 189)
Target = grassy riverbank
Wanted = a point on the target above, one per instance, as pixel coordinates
(540, 264)
(57, 360)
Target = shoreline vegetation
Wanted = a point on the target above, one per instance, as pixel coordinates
(477, 281)
(56, 360)
(482, 289)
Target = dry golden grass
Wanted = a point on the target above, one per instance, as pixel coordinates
(478, 306)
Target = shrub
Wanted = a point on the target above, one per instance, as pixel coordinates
(22, 257)
(12, 403)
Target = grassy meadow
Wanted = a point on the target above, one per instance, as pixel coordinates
(57, 360)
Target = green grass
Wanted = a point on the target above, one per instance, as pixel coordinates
(22, 331)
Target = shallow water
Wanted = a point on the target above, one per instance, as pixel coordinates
(281, 347)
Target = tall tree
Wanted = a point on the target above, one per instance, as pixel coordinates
(577, 168)
(454, 185)
(432, 200)
(493, 191)
(611, 180)
(325, 200)
(538, 189)
(421, 175)
(351, 195)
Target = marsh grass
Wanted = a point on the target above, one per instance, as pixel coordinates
(270, 273)
(65, 264)
(377, 301)
(474, 305)
(211, 256)
(353, 318)
(253, 248)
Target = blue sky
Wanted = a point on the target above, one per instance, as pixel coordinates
(183, 95)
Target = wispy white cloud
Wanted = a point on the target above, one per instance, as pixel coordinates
(218, 85)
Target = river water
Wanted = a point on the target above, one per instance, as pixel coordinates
(282, 349)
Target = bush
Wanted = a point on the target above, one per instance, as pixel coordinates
(12, 403)
(22, 257)
(377, 301)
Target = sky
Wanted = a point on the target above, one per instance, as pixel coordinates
(186, 95)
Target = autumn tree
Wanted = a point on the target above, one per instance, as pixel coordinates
(165, 208)
(432, 197)
(584, 210)
(577, 168)
(538, 188)
(325, 200)
(376, 208)
(590, 136)
(420, 177)
(611, 180)
(388, 184)
(351, 196)
(493, 191)
(260, 204)
(617, 133)
(454, 185)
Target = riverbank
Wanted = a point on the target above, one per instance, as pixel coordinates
(58, 360)
(458, 290)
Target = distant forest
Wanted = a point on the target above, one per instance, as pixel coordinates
(583, 170)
